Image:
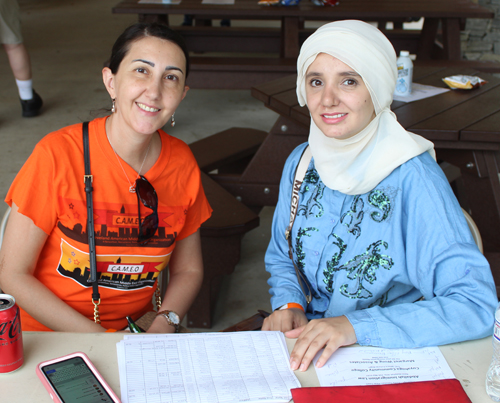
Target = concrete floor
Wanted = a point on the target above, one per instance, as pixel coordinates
(68, 42)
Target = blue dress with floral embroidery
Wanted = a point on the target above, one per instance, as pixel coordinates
(372, 257)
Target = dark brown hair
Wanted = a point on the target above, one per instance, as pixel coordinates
(139, 31)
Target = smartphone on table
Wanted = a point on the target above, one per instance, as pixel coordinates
(73, 378)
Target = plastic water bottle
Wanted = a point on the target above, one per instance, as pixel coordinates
(493, 374)
(405, 74)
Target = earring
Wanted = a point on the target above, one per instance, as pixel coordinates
(172, 121)
(113, 107)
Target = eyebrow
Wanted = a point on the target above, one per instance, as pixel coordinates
(144, 61)
(152, 65)
(173, 68)
(343, 74)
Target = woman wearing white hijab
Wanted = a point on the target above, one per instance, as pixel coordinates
(379, 235)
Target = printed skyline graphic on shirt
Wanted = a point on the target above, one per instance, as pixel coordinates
(126, 272)
(118, 224)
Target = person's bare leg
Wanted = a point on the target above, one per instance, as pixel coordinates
(19, 61)
(20, 64)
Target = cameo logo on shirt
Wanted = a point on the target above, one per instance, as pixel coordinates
(125, 220)
(121, 272)
(125, 268)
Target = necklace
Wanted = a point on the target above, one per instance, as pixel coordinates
(131, 189)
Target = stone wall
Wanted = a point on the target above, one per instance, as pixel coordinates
(481, 37)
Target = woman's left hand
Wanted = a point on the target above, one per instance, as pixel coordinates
(330, 333)
(160, 325)
(184, 282)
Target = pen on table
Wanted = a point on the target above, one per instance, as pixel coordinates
(133, 327)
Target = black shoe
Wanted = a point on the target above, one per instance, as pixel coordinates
(32, 106)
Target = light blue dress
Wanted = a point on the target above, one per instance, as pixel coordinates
(372, 258)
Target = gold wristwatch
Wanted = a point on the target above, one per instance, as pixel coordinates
(172, 319)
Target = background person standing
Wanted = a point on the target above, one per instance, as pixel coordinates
(19, 60)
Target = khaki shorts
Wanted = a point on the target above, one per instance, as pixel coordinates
(10, 24)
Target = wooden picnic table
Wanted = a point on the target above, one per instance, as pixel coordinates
(464, 126)
(439, 38)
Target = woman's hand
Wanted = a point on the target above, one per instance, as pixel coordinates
(160, 325)
(330, 333)
(285, 320)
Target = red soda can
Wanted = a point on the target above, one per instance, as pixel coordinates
(11, 338)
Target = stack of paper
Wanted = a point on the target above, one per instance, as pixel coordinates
(356, 366)
(205, 367)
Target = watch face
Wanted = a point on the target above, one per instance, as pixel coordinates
(174, 317)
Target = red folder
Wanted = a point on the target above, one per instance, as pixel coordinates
(444, 390)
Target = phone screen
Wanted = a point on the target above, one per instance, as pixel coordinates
(74, 382)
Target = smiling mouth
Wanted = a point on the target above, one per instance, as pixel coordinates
(338, 115)
(146, 108)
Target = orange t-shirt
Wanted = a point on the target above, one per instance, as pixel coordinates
(49, 189)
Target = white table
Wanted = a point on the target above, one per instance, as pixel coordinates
(469, 362)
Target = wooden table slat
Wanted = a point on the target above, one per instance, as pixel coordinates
(488, 129)
(420, 72)
(447, 125)
(264, 92)
(416, 112)
(466, 146)
(283, 102)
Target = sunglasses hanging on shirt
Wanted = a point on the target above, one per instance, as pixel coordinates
(146, 194)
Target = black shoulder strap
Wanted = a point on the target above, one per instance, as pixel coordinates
(88, 179)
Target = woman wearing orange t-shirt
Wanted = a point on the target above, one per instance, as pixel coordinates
(44, 260)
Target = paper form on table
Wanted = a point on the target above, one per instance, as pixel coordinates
(205, 367)
(354, 366)
(420, 91)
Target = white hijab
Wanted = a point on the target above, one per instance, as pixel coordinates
(356, 165)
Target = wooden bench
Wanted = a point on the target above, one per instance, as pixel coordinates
(226, 147)
(221, 234)
(486, 66)
(220, 70)
(208, 38)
